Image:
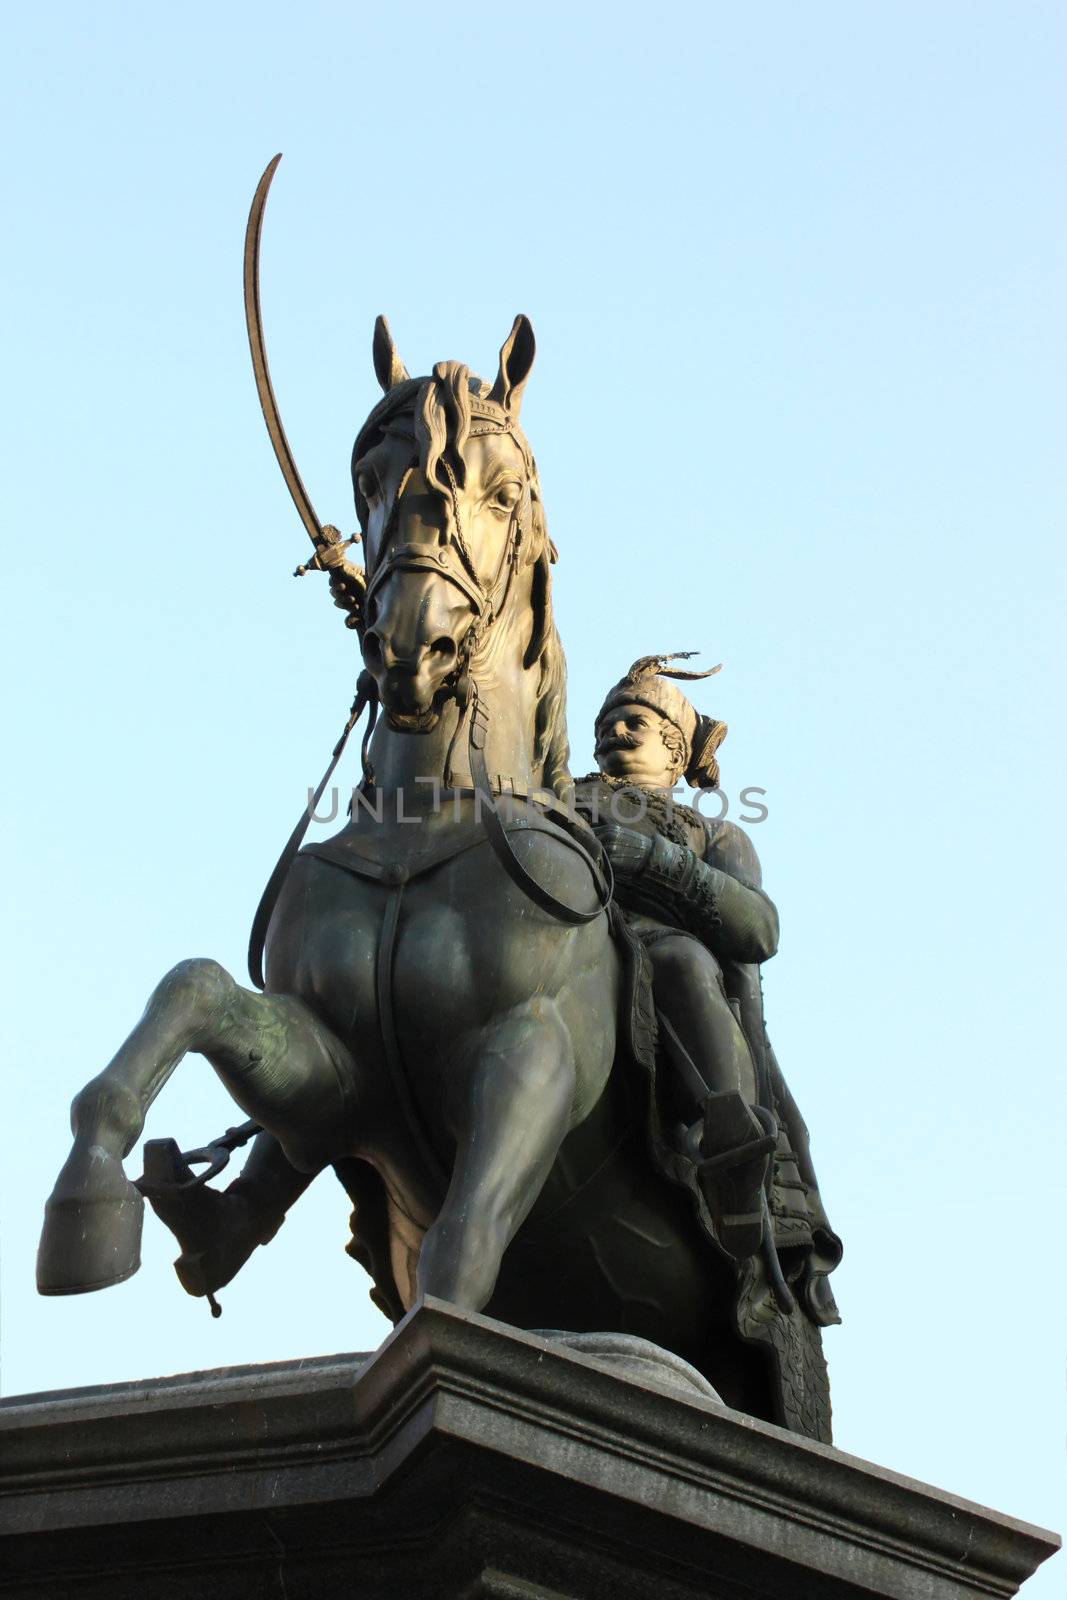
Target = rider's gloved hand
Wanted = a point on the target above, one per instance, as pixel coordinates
(626, 849)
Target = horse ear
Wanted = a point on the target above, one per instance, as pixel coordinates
(516, 358)
(388, 367)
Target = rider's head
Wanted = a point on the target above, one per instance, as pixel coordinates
(648, 733)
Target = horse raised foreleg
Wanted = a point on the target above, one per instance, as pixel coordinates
(275, 1057)
(514, 1117)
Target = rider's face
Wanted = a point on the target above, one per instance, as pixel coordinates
(629, 744)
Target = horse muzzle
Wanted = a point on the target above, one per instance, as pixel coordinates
(412, 691)
(414, 646)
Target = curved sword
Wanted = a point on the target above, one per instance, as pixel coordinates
(254, 322)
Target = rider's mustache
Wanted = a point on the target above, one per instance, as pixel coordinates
(616, 741)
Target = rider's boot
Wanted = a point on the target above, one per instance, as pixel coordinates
(217, 1230)
(734, 1149)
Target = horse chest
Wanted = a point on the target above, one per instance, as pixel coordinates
(454, 970)
(447, 951)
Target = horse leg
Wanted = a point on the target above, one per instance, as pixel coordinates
(517, 1110)
(275, 1057)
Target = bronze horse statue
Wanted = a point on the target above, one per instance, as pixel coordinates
(451, 1017)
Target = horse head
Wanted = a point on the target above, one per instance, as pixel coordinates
(450, 510)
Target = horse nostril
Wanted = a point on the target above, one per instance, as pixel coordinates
(373, 655)
(444, 647)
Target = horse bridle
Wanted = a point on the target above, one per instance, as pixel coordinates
(453, 559)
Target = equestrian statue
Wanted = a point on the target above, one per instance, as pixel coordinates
(519, 1016)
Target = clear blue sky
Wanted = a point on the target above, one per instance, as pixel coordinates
(796, 275)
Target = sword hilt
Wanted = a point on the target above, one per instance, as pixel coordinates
(333, 539)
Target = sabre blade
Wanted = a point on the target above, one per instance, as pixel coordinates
(260, 366)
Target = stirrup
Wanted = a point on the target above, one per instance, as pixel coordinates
(180, 1199)
(217, 1230)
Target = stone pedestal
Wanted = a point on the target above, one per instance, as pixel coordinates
(463, 1459)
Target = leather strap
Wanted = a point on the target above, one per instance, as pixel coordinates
(503, 848)
(387, 1025)
(386, 872)
(366, 694)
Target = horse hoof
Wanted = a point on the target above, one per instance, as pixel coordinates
(92, 1226)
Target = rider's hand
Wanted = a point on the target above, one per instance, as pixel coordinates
(334, 555)
(626, 849)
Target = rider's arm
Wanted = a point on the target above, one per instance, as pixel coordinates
(733, 917)
(748, 915)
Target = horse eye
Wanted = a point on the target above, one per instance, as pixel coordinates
(507, 496)
(367, 484)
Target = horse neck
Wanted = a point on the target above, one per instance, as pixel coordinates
(507, 694)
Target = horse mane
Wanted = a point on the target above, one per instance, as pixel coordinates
(443, 422)
(552, 750)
